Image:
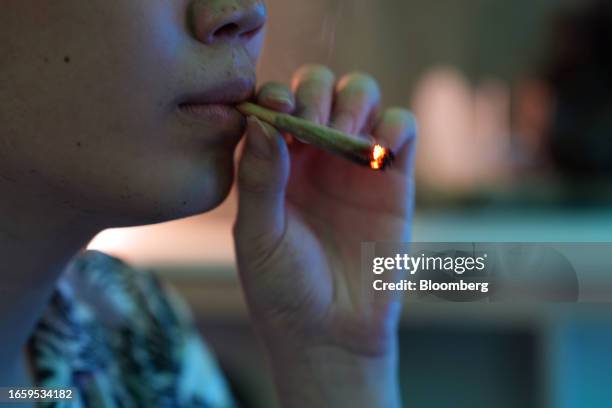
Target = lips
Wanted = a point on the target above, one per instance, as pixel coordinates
(214, 109)
(227, 93)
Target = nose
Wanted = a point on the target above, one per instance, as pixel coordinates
(218, 21)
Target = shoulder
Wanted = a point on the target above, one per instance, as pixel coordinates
(128, 327)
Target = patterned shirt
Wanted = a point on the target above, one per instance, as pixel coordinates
(119, 338)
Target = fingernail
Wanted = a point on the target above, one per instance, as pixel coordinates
(259, 138)
(282, 100)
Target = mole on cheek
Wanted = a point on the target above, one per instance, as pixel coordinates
(67, 59)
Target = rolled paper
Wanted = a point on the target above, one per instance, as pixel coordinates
(357, 149)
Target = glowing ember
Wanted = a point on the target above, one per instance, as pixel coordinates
(380, 157)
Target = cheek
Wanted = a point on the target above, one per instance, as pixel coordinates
(86, 71)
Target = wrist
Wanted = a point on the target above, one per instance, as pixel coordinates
(328, 376)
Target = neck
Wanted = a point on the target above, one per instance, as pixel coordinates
(37, 240)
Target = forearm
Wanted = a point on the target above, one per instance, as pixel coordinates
(328, 377)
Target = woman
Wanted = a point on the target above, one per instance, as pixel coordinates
(118, 113)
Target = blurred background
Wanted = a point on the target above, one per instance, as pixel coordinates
(515, 114)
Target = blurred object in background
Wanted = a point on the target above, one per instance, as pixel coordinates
(548, 142)
(465, 131)
(532, 121)
(578, 72)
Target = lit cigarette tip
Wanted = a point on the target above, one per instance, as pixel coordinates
(381, 157)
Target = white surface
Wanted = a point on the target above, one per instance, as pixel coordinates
(206, 241)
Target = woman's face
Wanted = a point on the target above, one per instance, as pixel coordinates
(121, 107)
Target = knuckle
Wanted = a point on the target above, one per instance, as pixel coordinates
(403, 119)
(313, 72)
(359, 80)
(257, 179)
(359, 89)
(253, 176)
(399, 113)
(251, 183)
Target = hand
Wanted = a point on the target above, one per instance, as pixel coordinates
(303, 214)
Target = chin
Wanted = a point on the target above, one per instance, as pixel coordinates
(199, 200)
(179, 196)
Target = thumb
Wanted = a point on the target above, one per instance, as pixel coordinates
(263, 171)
